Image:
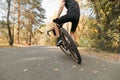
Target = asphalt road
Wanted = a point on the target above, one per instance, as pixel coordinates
(50, 63)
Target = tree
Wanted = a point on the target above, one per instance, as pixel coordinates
(32, 16)
(18, 1)
(107, 17)
(3, 30)
(8, 24)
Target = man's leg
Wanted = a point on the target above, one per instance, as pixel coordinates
(59, 40)
(73, 36)
(57, 30)
(73, 29)
(61, 20)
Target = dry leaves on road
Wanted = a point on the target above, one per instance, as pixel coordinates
(25, 70)
(74, 67)
(56, 69)
(95, 71)
(81, 69)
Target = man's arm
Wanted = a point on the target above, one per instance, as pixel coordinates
(61, 8)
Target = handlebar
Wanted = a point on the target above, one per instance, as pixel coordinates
(53, 30)
(48, 32)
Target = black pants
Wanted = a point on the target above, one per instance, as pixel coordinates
(71, 17)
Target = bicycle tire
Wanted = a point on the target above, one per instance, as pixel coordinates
(72, 47)
(64, 50)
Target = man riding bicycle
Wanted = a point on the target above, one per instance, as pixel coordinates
(72, 15)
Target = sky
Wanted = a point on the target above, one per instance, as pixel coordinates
(51, 6)
(1, 10)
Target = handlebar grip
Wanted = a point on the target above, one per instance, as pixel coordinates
(53, 30)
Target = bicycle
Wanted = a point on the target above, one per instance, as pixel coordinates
(67, 46)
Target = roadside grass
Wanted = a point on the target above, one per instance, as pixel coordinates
(101, 54)
(6, 45)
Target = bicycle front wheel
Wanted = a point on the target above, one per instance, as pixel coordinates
(64, 48)
(71, 46)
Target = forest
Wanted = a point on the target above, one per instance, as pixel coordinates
(23, 22)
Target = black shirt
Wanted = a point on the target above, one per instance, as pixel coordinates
(72, 6)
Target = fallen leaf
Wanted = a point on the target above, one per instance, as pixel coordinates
(56, 69)
(82, 69)
(103, 65)
(74, 67)
(104, 68)
(25, 70)
(95, 72)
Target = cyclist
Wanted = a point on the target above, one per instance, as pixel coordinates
(72, 15)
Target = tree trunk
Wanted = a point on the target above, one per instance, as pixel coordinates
(18, 21)
(30, 35)
(8, 24)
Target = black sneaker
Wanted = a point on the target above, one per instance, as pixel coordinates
(59, 41)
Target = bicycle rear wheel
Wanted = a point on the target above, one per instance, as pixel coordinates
(71, 46)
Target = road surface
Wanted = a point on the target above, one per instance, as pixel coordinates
(50, 63)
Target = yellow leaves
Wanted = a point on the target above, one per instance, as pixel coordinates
(93, 31)
(101, 11)
(115, 44)
(110, 8)
(115, 38)
(119, 17)
(109, 33)
(115, 41)
(107, 12)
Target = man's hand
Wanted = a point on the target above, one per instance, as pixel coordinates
(55, 20)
